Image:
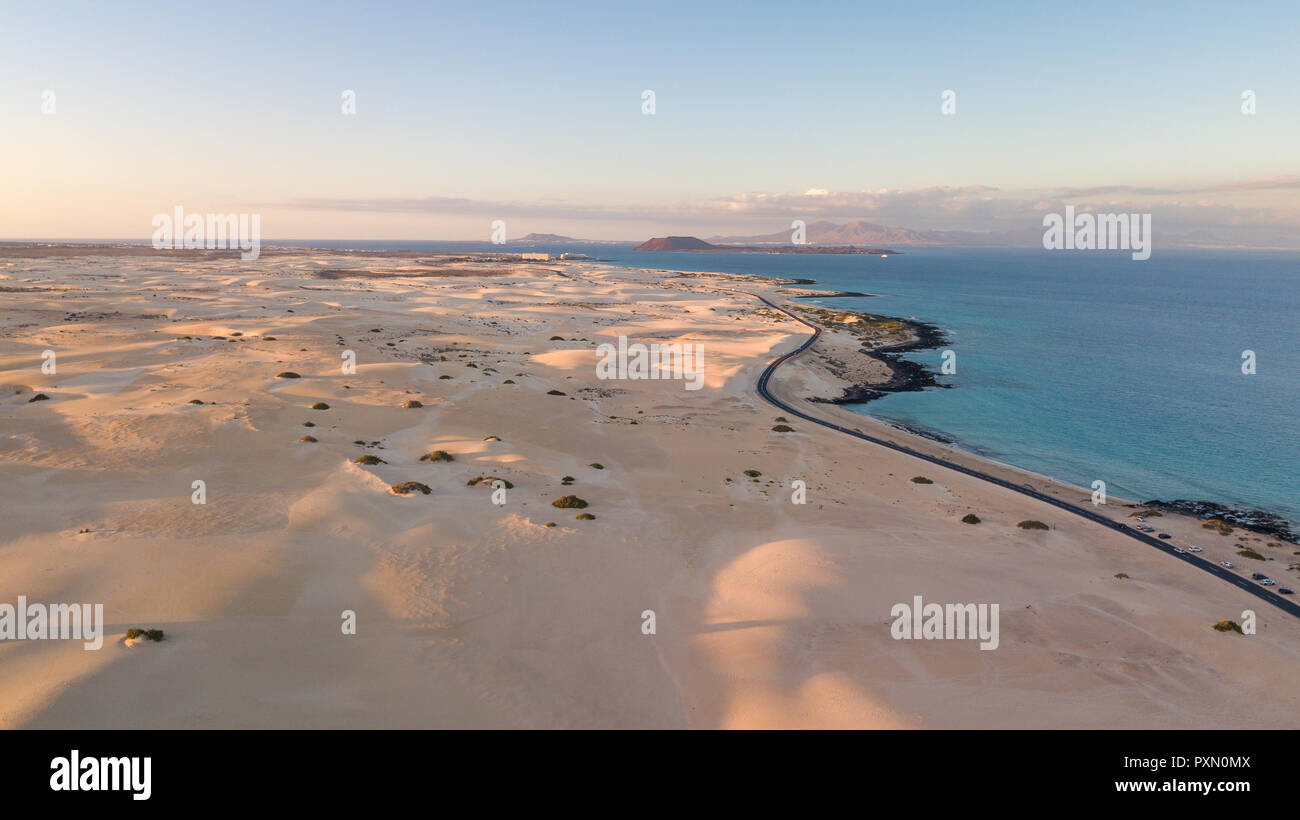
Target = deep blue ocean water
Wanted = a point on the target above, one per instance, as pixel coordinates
(1079, 365)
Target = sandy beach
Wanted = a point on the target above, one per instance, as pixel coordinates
(472, 613)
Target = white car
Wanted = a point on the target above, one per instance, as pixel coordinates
(1268, 582)
(1227, 564)
(1195, 548)
(1180, 550)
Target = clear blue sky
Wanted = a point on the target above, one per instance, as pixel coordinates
(236, 105)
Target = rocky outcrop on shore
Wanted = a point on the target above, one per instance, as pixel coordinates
(1264, 523)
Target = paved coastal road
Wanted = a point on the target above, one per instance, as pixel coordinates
(1261, 592)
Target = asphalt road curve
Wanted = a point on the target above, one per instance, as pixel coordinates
(1261, 592)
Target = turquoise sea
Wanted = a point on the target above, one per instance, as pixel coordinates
(1079, 365)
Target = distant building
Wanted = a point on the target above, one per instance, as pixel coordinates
(536, 257)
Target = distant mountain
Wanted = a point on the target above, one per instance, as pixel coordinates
(546, 237)
(692, 244)
(869, 234)
(675, 243)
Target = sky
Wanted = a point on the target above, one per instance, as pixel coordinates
(532, 113)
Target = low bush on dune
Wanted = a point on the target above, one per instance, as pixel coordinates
(1121, 575)
(920, 479)
(585, 517)
(368, 460)
(555, 393)
(569, 502)
(549, 524)
(489, 480)
(320, 405)
(444, 376)
(1249, 553)
(438, 455)
(288, 374)
(308, 439)
(557, 338)
(1030, 524)
(970, 518)
(508, 381)
(780, 428)
(491, 438)
(1228, 626)
(309, 424)
(191, 401)
(1145, 513)
(408, 487)
(1218, 525)
(596, 465)
(753, 473)
(411, 404)
(136, 633)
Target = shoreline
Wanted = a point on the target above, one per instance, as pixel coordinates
(909, 376)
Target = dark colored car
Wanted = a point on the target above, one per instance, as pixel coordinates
(1284, 591)
(1164, 535)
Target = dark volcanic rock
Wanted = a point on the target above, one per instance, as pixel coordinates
(1265, 523)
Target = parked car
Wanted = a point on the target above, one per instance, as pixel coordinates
(1227, 564)
(1268, 582)
(1258, 576)
(1164, 535)
(1285, 590)
(1195, 548)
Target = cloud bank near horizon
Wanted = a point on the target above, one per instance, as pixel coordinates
(1257, 212)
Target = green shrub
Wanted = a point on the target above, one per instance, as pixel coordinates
(782, 428)
(1030, 524)
(585, 517)
(308, 439)
(191, 401)
(287, 374)
(411, 404)
(489, 479)
(1121, 575)
(320, 405)
(970, 518)
(1228, 626)
(408, 487)
(1250, 553)
(920, 479)
(753, 473)
(569, 502)
(595, 465)
(1218, 525)
(491, 438)
(438, 455)
(368, 460)
(555, 393)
